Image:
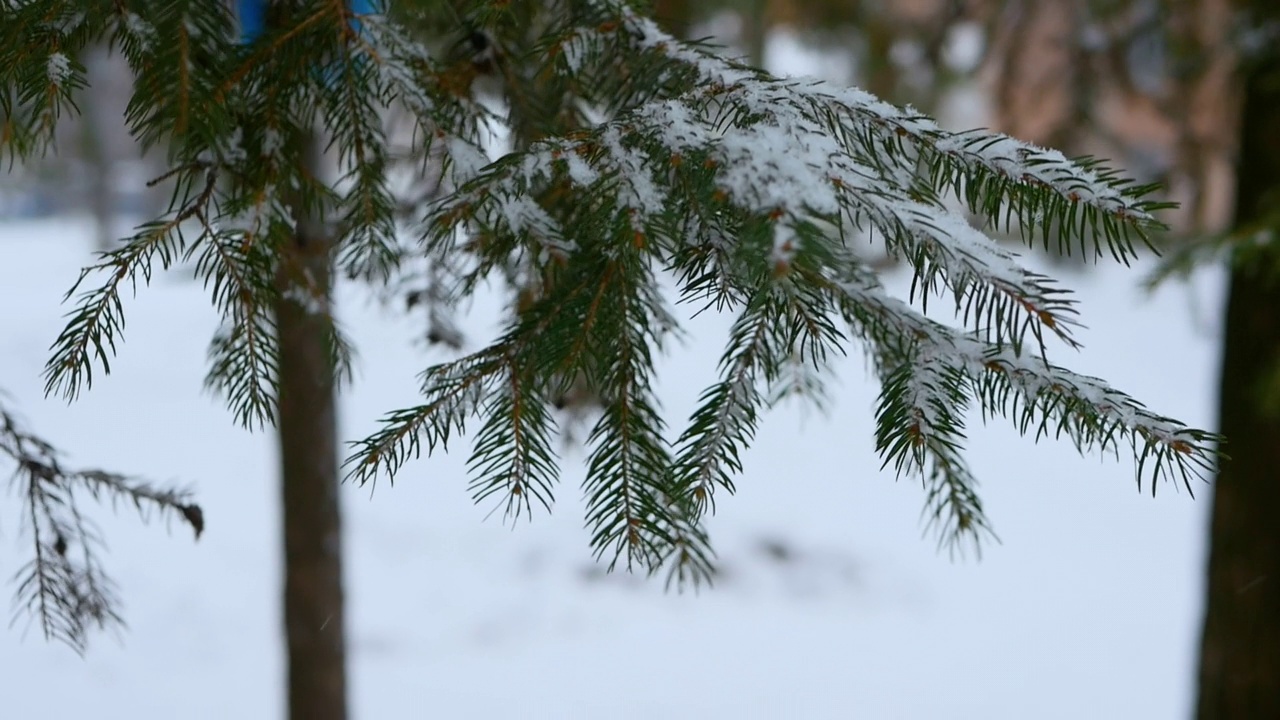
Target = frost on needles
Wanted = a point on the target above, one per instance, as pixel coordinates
(752, 190)
(638, 158)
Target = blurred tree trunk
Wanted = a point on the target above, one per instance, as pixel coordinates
(95, 140)
(1240, 651)
(675, 16)
(880, 76)
(307, 425)
(755, 30)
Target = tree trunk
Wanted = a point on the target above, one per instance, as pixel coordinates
(307, 424)
(1240, 651)
(675, 16)
(96, 139)
(755, 30)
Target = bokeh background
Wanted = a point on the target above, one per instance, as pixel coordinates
(832, 601)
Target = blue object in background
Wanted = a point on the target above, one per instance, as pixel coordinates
(253, 15)
(364, 7)
(253, 18)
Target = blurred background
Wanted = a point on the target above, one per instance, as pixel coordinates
(832, 602)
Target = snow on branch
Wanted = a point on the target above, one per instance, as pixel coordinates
(638, 157)
(1027, 389)
(454, 394)
(810, 151)
(782, 161)
(751, 190)
(979, 166)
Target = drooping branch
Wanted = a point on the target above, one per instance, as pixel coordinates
(64, 587)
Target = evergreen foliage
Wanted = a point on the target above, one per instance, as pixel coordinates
(635, 158)
(63, 587)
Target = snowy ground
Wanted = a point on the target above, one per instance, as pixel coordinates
(832, 605)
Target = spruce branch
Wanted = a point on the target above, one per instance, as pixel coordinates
(919, 430)
(998, 176)
(677, 169)
(237, 268)
(454, 393)
(1030, 391)
(64, 588)
(633, 508)
(638, 160)
(178, 53)
(351, 112)
(778, 328)
(725, 423)
(40, 72)
(90, 334)
(512, 456)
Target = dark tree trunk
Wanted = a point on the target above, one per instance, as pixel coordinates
(675, 16)
(1240, 651)
(755, 30)
(307, 424)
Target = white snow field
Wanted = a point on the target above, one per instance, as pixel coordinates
(831, 604)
